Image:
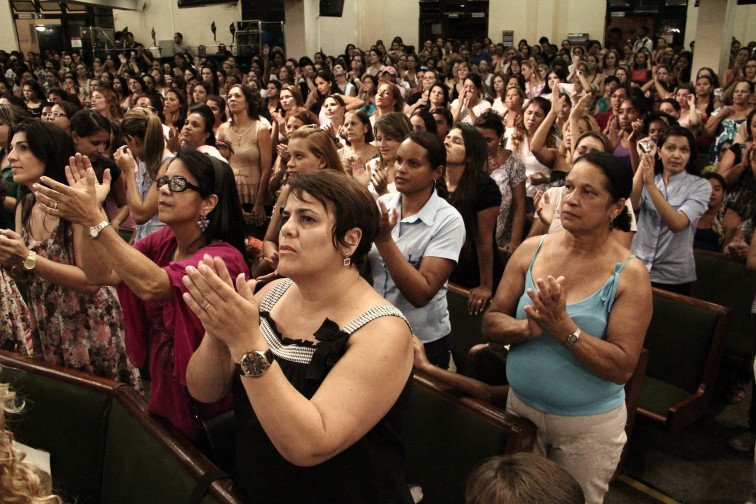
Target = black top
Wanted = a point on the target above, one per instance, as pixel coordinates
(467, 272)
(370, 471)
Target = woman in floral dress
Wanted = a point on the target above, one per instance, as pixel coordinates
(73, 323)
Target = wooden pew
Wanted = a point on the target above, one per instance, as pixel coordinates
(466, 329)
(447, 436)
(724, 281)
(104, 445)
(685, 341)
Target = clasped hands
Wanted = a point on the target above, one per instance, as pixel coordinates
(549, 309)
(228, 314)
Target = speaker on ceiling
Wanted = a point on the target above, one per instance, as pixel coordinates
(331, 8)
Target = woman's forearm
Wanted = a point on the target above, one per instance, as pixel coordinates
(673, 219)
(210, 371)
(145, 278)
(413, 285)
(518, 213)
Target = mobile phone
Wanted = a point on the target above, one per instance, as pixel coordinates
(646, 145)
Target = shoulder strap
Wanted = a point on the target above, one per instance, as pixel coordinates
(610, 288)
(270, 299)
(624, 263)
(385, 310)
(532, 261)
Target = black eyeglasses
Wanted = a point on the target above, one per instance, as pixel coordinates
(54, 114)
(177, 183)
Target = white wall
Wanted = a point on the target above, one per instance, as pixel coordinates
(8, 40)
(552, 18)
(743, 25)
(167, 18)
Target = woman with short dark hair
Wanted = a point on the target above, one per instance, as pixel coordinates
(335, 369)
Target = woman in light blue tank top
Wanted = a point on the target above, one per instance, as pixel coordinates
(575, 306)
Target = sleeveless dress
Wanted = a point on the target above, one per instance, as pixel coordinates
(14, 316)
(369, 471)
(544, 374)
(245, 162)
(507, 177)
(74, 329)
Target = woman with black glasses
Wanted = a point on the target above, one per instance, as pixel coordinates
(200, 208)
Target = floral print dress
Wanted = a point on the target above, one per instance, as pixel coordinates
(74, 329)
(14, 317)
(507, 176)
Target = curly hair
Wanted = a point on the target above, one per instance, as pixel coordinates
(19, 480)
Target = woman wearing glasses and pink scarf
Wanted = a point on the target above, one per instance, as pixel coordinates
(198, 202)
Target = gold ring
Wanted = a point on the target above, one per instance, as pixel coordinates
(207, 306)
(54, 205)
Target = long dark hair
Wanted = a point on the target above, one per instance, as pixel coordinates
(209, 118)
(436, 152)
(216, 177)
(253, 100)
(53, 147)
(464, 198)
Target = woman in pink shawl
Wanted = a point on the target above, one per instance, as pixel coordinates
(199, 204)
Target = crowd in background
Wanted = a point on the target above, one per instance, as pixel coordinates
(466, 147)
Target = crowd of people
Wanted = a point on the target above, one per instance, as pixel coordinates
(208, 222)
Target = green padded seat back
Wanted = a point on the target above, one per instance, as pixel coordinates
(444, 443)
(67, 421)
(138, 468)
(728, 283)
(678, 340)
(466, 329)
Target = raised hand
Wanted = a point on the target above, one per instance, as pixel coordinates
(387, 222)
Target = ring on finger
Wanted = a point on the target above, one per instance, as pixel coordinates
(207, 306)
(54, 204)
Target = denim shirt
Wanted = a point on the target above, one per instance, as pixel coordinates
(667, 255)
(437, 230)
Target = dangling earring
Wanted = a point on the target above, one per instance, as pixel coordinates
(203, 222)
(347, 261)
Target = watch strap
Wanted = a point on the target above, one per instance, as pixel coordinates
(95, 231)
(31, 261)
(573, 337)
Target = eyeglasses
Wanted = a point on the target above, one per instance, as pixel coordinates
(177, 183)
(54, 114)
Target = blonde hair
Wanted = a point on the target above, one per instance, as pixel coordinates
(320, 144)
(144, 124)
(19, 480)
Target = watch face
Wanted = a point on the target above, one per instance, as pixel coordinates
(93, 232)
(572, 339)
(254, 364)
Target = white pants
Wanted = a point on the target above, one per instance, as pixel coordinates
(587, 447)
